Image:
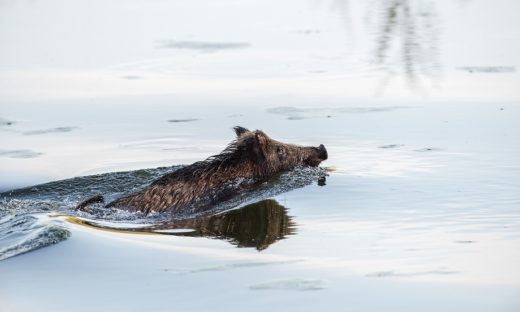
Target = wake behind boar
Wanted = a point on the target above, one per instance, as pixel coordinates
(250, 159)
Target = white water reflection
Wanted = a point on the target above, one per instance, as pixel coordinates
(395, 48)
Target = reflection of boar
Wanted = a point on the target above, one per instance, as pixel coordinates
(252, 158)
(256, 225)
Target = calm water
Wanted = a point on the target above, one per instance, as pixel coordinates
(417, 103)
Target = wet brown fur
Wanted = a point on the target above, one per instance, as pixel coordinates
(251, 158)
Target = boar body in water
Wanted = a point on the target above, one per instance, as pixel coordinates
(250, 159)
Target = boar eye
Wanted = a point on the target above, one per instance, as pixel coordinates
(281, 152)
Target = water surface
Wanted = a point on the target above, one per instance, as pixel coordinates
(417, 103)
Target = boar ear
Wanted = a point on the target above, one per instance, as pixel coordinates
(253, 148)
(240, 130)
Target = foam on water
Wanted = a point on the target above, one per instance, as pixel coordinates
(23, 233)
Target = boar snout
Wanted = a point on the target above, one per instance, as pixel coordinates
(322, 152)
(317, 155)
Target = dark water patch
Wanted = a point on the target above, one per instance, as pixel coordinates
(204, 46)
(6, 122)
(410, 274)
(391, 146)
(23, 233)
(465, 242)
(428, 149)
(183, 120)
(297, 117)
(488, 69)
(51, 130)
(297, 284)
(21, 153)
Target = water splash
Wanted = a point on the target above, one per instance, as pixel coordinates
(23, 233)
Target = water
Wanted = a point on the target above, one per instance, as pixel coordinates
(416, 102)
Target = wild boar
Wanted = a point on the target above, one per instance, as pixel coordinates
(250, 159)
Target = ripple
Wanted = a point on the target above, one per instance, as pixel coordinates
(298, 284)
(488, 69)
(391, 146)
(410, 274)
(294, 113)
(227, 267)
(203, 45)
(50, 130)
(183, 120)
(132, 77)
(21, 153)
(24, 233)
(429, 149)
